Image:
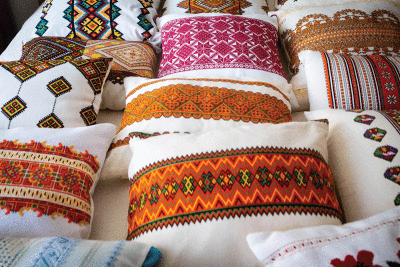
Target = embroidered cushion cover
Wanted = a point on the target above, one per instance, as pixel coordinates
(220, 46)
(201, 194)
(51, 94)
(364, 27)
(61, 251)
(192, 105)
(371, 242)
(363, 155)
(130, 20)
(287, 4)
(129, 59)
(352, 82)
(234, 7)
(47, 179)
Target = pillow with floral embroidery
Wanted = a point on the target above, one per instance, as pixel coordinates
(373, 242)
(47, 179)
(130, 58)
(51, 93)
(129, 20)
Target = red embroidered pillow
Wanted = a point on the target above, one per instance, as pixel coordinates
(219, 46)
(47, 178)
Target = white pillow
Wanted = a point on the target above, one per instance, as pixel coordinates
(196, 197)
(363, 154)
(47, 179)
(371, 242)
(51, 94)
(130, 20)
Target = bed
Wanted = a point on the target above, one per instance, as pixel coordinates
(202, 133)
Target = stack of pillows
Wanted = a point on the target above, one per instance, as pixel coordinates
(220, 175)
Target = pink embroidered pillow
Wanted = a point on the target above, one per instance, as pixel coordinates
(219, 46)
(47, 179)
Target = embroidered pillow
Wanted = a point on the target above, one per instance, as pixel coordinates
(234, 7)
(47, 179)
(363, 154)
(371, 242)
(130, 20)
(352, 82)
(220, 46)
(288, 4)
(201, 194)
(192, 105)
(129, 59)
(51, 94)
(61, 251)
(364, 27)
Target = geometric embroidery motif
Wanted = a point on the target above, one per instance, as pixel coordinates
(375, 134)
(52, 48)
(59, 86)
(219, 42)
(393, 174)
(190, 101)
(94, 73)
(24, 70)
(51, 180)
(365, 119)
(13, 107)
(93, 19)
(393, 116)
(229, 184)
(386, 152)
(234, 7)
(347, 32)
(50, 121)
(42, 25)
(89, 116)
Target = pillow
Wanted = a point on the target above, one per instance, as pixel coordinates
(129, 59)
(220, 46)
(363, 154)
(51, 94)
(288, 4)
(201, 194)
(61, 251)
(130, 20)
(234, 7)
(371, 242)
(192, 105)
(352, 82)
(47, 179)
(332, 29)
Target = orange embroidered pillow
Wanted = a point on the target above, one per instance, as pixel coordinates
(47, 178)
(194, 105)
(201, 194)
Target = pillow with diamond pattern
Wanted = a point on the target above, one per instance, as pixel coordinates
(130, 20)
(52, 93)
(47, 179)
(363, 155)
(130, 58)
(201, 194)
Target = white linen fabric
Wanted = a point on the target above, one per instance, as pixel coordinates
(363, 154)
(374, 241)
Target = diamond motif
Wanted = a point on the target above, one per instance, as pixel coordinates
(223, 48)
(386, 152)
(203, 36)
(221, 25)
(240, 37)
(375, 134)
(259, 52)
(50, 121)
(89, 116)
(185, 51)
(59, 86)
(13, 107)
(214, 6)
(393, 174)
(365, 119)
